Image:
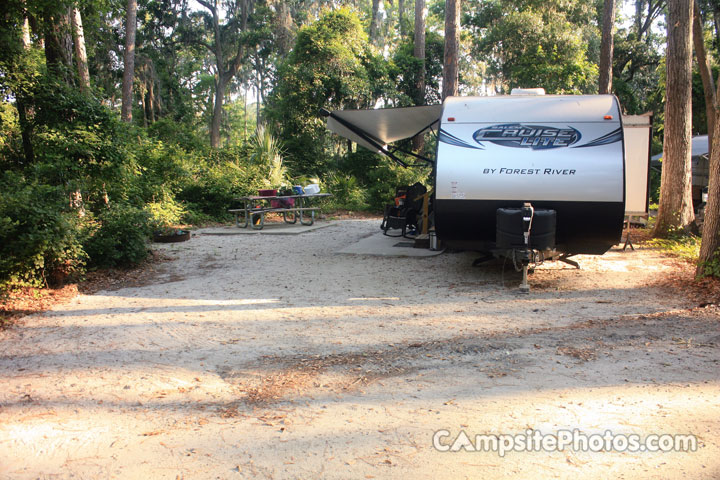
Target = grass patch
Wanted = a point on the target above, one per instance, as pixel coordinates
(686, 246)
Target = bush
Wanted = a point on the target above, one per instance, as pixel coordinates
(39, 241)
(216, 186)
(191, 217)
(680, 244)
(266, 152)
(654, 185)
(119, 237)
(377, 176)
(165, 169)
(165, 213)
(386, 177)
(348, 194)
(711, 268)
(181, 134)
(80, 144)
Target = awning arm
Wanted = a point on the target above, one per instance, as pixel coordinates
(417, 155)
(413, 154)
(374, 142)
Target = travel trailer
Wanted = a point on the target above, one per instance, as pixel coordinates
(530, 176)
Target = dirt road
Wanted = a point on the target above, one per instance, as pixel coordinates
(258, 356)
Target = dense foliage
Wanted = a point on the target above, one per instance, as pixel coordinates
(332, 66)
(39, 239)
(549, 44)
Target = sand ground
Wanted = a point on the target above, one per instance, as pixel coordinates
(257, 356)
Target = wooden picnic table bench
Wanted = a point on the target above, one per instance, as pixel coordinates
(256, 207)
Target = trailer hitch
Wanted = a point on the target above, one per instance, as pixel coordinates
(528, 212)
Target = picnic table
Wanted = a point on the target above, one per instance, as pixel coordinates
(255, 208)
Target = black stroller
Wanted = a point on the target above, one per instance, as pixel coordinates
(407, 212)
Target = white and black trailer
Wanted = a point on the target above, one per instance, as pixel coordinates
(523, 174)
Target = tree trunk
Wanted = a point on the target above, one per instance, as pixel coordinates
(76, 203)
(216, 120)
(376, 22)
(257, 106)
(676, 209)
(245, 116)
(419, 53)
(606, 48)
(147, 78)
(260, 69)
(284, 38)
(711, 227)
(217, 112)
(419, 50)
(644, 22)
(401, 18)
(716, 18)
(58, 45)
(37, 29)
(129, 61)
(26, 33)
(25, 129)
(143, 104)
(705, 74)
(224, 73)
(452, 40)
(80, 54)
(151, 100)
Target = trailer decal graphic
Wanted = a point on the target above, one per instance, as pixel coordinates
(612, 137)
(535, 137)
(450, 139)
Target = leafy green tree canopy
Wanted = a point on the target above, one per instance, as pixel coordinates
(405, 68)
(536, 44)
(330, 67)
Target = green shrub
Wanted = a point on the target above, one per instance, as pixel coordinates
(347, 192)
(182, 134)
(711, 268)
(119, 237)
(39, 241)
(80, 144)
(165, 169)
(680, 244)
(377, 176)
(191, 217)
(654, 186)
(165, 213)
(215, 188)
(386, 177)
(266, 152)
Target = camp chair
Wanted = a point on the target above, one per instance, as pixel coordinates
(406, 212)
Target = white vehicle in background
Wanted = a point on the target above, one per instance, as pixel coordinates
(700, 162)
(700, 216)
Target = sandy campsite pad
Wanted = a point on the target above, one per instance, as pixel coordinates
(255, 356)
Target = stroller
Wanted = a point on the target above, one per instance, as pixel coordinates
(406, 214)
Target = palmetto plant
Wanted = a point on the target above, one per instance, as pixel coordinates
(267, 152)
